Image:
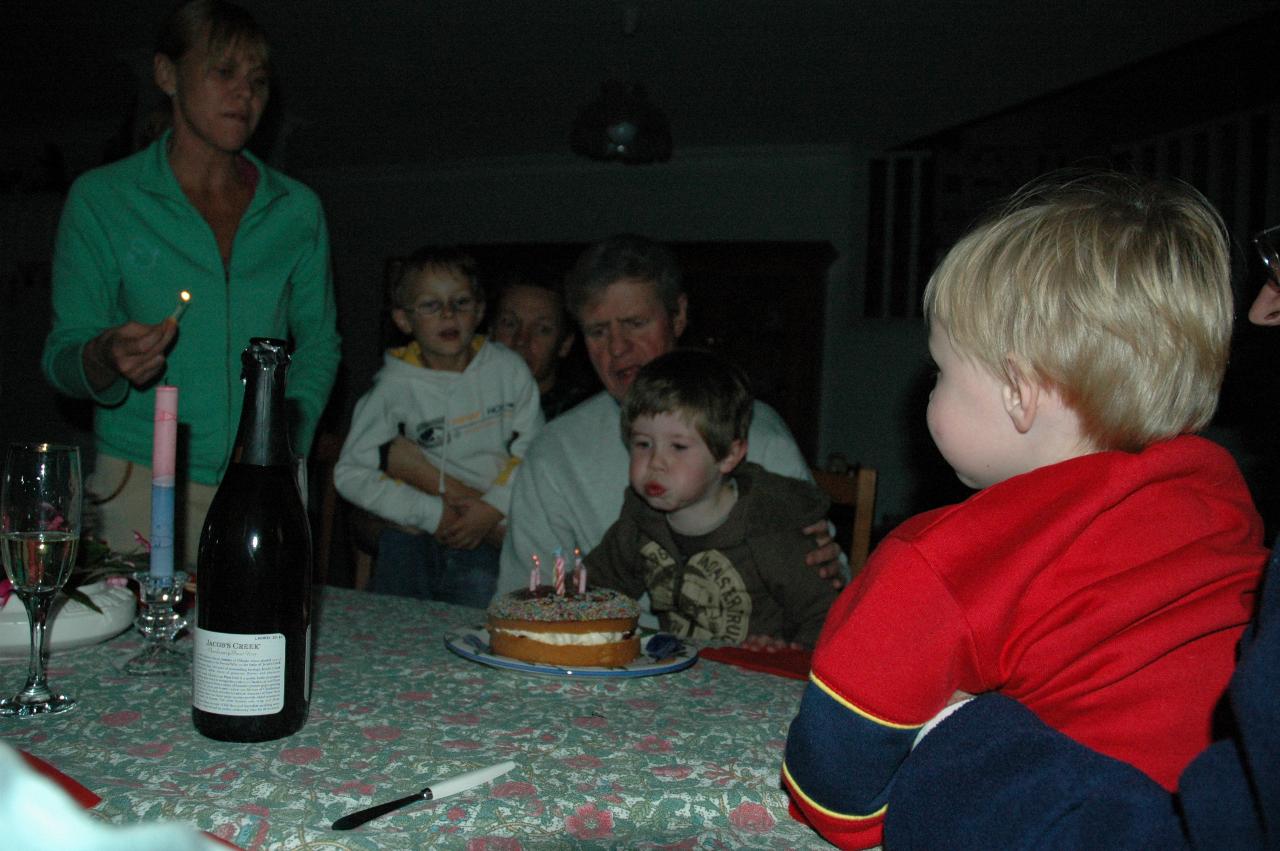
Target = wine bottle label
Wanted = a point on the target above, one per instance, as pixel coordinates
(238, 674)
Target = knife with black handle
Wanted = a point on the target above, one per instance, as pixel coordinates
(437, 790)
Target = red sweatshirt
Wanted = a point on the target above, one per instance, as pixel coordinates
(1106, 593)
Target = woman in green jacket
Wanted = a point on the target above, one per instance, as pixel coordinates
(193, 211)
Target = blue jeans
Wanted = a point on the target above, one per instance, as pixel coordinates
(419, 566)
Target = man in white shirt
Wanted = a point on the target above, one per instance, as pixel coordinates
(626, 293)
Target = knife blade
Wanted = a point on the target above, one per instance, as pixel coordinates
(438, 789)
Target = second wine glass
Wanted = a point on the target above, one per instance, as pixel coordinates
(40, 501)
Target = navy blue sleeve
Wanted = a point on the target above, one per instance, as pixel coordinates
(838, 764)
(1230, 794)
(993, 775)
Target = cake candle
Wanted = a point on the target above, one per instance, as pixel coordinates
(163, 449)
(559, 568)
(579, 571)
(184, 299)
(535, 575)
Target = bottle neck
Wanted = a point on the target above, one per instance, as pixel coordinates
(263, 436)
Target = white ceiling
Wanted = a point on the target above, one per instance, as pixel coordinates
(409, 81)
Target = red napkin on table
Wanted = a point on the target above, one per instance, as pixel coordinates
(782, 663)
(78, 792)
(81, 794)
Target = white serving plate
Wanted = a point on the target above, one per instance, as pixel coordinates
(70, 623)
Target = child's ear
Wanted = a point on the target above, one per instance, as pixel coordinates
(1021, 394)
(680, 319)
(166, 74)
(565, 347)
(400, 317)
(737, 451)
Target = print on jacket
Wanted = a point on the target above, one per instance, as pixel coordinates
(705, 599)
(432, 434)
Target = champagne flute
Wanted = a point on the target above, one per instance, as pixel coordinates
(39, 533)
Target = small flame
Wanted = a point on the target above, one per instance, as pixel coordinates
(184, 299)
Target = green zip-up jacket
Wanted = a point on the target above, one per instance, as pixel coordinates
(129, 241)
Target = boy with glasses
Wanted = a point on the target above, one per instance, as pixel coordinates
(471, 406)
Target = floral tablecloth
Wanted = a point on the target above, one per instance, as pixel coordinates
(682, 760)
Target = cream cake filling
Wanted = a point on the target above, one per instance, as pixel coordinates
(584, 638)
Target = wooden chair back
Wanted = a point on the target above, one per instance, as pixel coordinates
(856, 491)
(325, 456)
(339, 520)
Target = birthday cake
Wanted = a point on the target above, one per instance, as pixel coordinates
(596, 628)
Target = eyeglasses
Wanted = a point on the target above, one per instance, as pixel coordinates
(1268, 244)
(432, 306)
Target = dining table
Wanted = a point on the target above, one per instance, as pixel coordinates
(686, 757)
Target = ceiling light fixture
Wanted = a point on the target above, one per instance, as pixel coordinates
(622, 125)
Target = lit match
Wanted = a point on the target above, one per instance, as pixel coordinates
(184, 299)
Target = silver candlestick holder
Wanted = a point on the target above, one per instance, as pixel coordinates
(159, 622)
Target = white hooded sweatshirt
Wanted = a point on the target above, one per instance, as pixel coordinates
(472, 425)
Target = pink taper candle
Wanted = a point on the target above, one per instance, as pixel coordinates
(163, 470)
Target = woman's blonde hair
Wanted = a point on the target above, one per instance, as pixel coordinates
(1113, 290)
(223, 25)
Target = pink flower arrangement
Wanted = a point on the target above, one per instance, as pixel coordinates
(96, 562)
(141, 541)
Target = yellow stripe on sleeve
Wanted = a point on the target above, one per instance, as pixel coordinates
(795, 788)
(875, 719)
